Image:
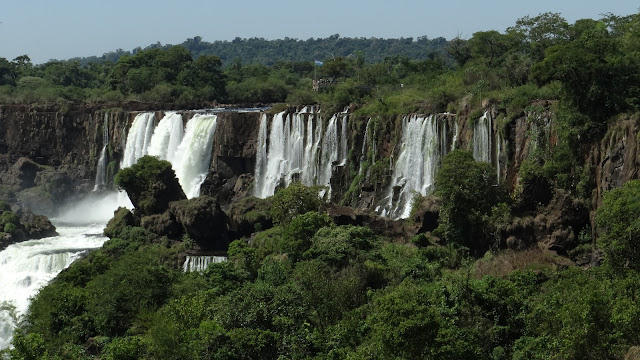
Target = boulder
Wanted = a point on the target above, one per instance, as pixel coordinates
(249, 215)
(426, 213)
(38, 226)
(22, 174)
(120, 220)
(164, 224)
(151, 185)
(204, 221)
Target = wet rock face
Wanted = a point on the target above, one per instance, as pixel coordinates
(618, 157)
(22, 174)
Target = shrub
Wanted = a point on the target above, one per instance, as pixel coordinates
(294, 200)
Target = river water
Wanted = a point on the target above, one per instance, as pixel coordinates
(28, 266)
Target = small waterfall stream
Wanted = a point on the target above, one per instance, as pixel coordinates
(101, 169)
(482, 138)
(200, 263)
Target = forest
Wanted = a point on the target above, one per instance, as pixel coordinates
(305, 287)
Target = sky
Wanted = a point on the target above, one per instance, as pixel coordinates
(62, 29)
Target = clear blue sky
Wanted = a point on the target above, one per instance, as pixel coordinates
(61, 29)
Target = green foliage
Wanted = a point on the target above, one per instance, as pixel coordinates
(8, 217)
(141, 174)
(296, 199)
(619, 220)
(10, 228)
(469, 190)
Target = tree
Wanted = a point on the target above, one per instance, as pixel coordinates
(541, 32)
(619, 222)
(489, 45)
(469, 190)
(296, 199)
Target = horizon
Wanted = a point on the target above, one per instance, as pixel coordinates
(63, 30)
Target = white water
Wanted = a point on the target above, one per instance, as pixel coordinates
(167, 137)
(482, 139)
(200, 263)
(423, 144)
(294, 148)
(344, 147)
(28, 266)
(363, 153)
(101, 169)
(138, 139)
(188, 151)
(330, 152)
(193, 156)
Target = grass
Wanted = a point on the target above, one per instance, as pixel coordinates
(508, 261)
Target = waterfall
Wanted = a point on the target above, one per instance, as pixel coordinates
(414, 171)
(101, 169)
(363, 156)
(498, 150)
(200, 263)
(167, 137)
(482, 139)
(188, 151)
(27, 266)
(454, 142)
(261, 158)
(138, 139)
(344, 149)
(329, 153)
(272, 164)
(193, 155)
(314, 138)
(296, 147)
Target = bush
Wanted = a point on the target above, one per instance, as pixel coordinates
(10, 228)
(619, 221)
(469, 190)
(294, 200)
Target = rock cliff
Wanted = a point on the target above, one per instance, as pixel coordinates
(50, 153)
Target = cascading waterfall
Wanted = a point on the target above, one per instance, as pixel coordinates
(188, 151)
(27, 266)
(415, 169)
(271, 171)
(330, 152)
(167, 137)
(193, 155)
(314, 138)
(261, 158)
(296, 147)
(482, 139)
(199, 263)
(138, 139)
(344, 147)
(101, 169)
(454, 142)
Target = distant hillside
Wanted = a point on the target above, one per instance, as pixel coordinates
(268, 52)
